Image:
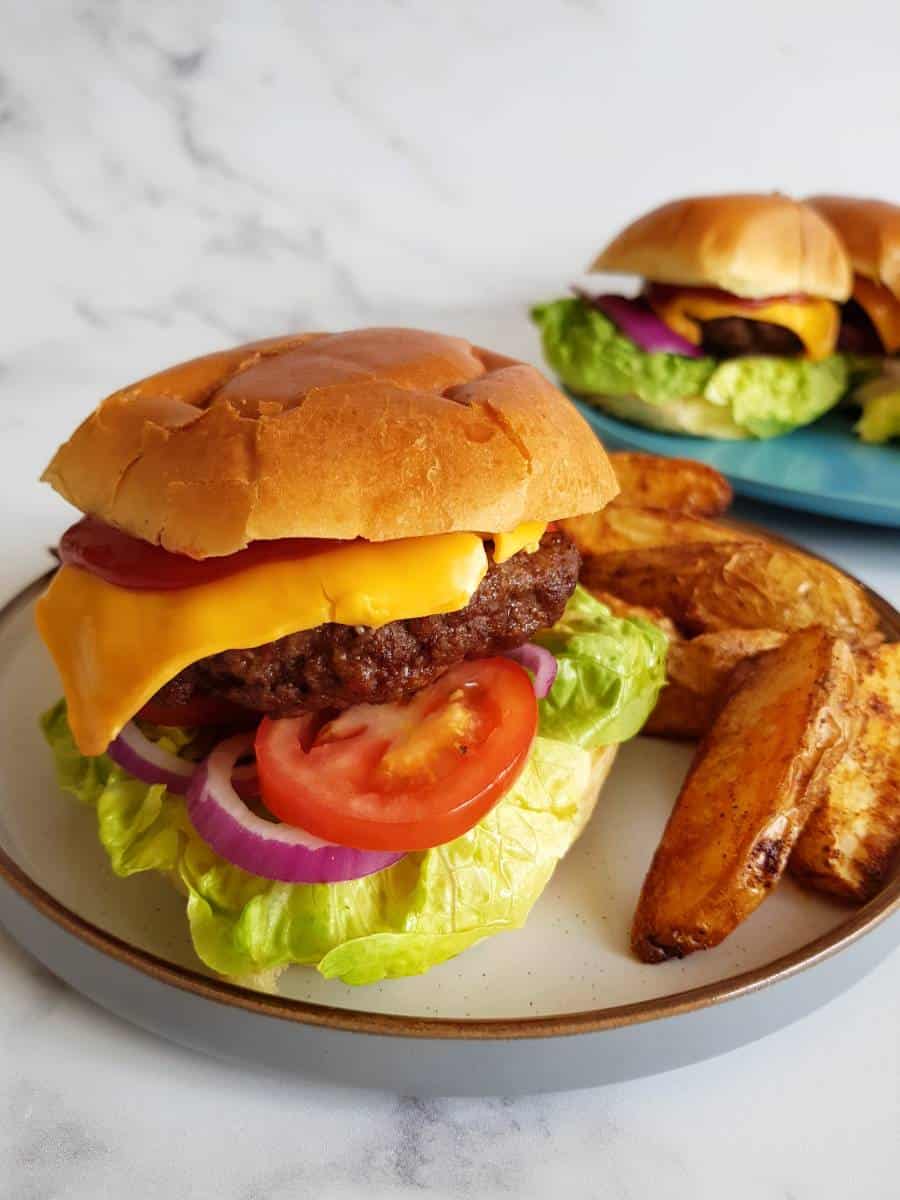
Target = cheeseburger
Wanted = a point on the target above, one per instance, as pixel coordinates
(325, 662)
(734, 331)
(870, 319)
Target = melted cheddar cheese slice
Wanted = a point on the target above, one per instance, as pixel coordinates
(883, 310)
(815, 322)
(115, 647)
(526, 536)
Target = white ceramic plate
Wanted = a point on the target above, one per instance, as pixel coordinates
(561, 1003)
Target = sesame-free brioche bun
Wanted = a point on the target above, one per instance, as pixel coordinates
(870, 231)
(375, 433)
(753, 245)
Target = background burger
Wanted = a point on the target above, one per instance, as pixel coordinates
(325, 662)
(870, 319)
(734, 333)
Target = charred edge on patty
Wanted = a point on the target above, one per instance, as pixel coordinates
(336, 666)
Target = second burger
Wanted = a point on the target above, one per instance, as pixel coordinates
(734, 332)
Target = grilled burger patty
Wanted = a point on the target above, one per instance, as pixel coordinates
(336, 666)
(734, 337)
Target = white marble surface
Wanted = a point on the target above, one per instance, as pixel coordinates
(176, 177)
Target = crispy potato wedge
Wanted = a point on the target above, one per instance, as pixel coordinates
(698, 674)
(621, 608)
(663, 577)
(705, 587)
(621, 527)
(677, 484)
(748, 794)
(853, 837)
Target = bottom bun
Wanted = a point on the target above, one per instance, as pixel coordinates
(602, 761)
(426, 908)
(694, 415)
(601, 765)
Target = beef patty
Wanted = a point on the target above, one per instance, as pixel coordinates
(335, 666)
(735, 337)
(858, 335)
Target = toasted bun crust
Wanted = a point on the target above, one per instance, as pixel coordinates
(870, 231)
(376, 433)
(752, 245)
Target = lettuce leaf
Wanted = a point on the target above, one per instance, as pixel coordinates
(771, 396)
(609, 673)
(591, 356)
(757, 396)
(880, 403)
(430, 905)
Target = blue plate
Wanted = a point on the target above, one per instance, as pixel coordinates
(822, 469)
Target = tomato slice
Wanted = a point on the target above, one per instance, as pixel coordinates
(403, 776)
(132, 563)
(199, 710)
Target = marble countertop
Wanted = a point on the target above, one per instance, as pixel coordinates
(179, 177)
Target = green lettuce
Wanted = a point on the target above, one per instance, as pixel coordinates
(771, 396)
(609, 669)
(592, 357)
(757, 397)
(880, 403)
(430, 905)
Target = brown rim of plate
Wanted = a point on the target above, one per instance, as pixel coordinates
(859, 922)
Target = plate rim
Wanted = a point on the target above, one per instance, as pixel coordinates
(865, 511)
(859, 922)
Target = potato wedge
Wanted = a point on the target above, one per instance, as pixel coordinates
(773, 587)
(663, 577)
(698, 674)
(677, 484)
(853, 837)
(749, 792)
(621, 527)
(727, 585)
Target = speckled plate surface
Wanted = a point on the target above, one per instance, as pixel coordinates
(823, 468)
(558, 1004)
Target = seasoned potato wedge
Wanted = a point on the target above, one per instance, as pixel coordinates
(663, 577)
(749, 792)
(853, 837)
(621, 527)
(711, 586)
(698, 673)
(676, 484)
(772, 587)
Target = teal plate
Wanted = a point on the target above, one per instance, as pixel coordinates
(822, 469)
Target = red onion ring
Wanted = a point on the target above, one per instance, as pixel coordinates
(279, 852)
(149, 762)
(637, 320)
(541, 664)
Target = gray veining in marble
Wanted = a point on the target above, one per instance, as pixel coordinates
(178, 176)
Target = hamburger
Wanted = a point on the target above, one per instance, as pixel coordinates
(734, 331)
(870, 319)
(325, 661)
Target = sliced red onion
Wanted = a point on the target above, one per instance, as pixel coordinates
(637, 320)
(540, 662)
(150, 763)
(279, 852)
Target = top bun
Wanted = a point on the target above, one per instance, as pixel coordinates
(752, 245)
(870, 231)
(375, 433)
